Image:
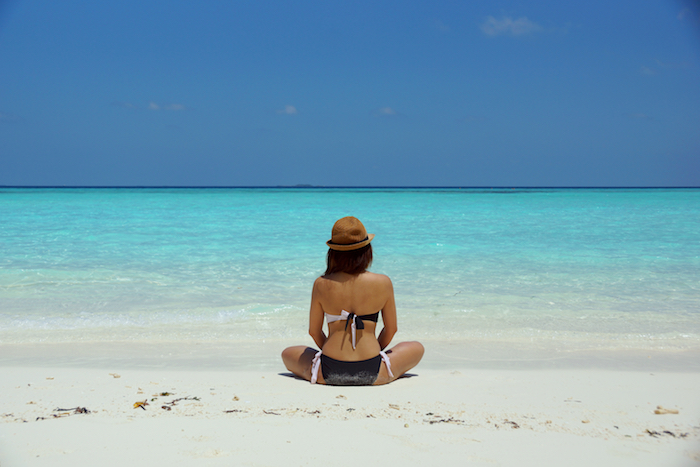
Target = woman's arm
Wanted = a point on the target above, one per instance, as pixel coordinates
(388, 318)
(316, 318)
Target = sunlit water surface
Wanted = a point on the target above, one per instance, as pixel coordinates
(564, 269)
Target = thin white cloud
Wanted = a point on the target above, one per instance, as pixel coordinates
(385, 111)
(509, 26)
(172, 107)
(683, 14)
(288, 110)
(440, 26)
(673, 65)
(645, 70)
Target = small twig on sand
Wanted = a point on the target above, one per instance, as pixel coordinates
(74, 410)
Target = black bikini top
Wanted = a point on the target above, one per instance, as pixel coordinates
(373, 317)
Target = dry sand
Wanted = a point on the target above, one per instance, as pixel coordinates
(252, 413)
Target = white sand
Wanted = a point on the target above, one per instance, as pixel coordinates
(263, 417)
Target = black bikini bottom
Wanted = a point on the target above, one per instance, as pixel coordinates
(341, 373)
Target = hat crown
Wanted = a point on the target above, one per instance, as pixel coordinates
(348, 230)
(349, 234)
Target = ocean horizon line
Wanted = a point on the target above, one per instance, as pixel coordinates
(347, 187)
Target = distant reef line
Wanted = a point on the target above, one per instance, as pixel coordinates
(346, 187)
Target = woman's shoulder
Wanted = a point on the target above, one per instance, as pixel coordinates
(321, 282)
(366, 277)
(375, 277)
(376, 281)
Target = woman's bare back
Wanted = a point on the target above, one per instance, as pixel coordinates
(363, 294)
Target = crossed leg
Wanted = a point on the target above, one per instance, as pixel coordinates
(298, 359)
(403, 356)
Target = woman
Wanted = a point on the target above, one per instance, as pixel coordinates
(351, 299)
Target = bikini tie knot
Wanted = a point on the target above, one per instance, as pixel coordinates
(355, 322)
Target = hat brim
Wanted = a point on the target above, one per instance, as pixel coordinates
(351, 246)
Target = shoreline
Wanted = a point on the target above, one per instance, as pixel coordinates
(264, 355)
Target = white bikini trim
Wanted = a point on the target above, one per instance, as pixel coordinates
(343, 316)
(315, 364)
(385, 357)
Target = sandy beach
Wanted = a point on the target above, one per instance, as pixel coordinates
(78, 405)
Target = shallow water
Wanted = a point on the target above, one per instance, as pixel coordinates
(551, 268)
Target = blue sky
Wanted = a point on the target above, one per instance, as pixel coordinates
(341, 93)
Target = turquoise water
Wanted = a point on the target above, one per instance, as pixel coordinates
(569, 268)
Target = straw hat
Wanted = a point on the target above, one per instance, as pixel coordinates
(349, 234)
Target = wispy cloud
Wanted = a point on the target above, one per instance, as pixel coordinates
(691, 13)
(173, 107)
(509, 26)
(674, 65)
(664, 67)
(440, 26)
(638, 116)
(385, 112)
(288, 110)
(151, 106)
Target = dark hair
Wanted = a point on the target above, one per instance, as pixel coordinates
(351, 262)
